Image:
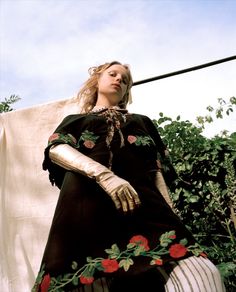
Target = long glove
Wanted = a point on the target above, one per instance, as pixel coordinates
(121, 192)
(161, 186)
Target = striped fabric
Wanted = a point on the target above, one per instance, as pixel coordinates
(194, 274)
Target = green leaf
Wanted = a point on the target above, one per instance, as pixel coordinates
(113, 251)
(166, 238)
(89, 259)
(140, 249)
(183, 241)
(131, 245)
(74, 265)
(193, 199)
(126, 263)
(227, 269)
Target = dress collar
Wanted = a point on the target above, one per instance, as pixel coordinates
(99, 108)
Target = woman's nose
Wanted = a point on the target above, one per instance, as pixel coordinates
(118, 77)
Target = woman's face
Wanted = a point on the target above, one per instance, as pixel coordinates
(113, 83)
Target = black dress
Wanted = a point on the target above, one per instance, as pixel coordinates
(86, 224)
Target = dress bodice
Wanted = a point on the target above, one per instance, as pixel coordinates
(126, 143)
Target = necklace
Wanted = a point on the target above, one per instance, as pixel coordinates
(99, 108)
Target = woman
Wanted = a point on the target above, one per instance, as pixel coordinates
(112, 229)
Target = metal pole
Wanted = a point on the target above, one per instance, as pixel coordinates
(184, 70)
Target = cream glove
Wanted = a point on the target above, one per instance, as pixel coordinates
(161, 186)
(121, 192)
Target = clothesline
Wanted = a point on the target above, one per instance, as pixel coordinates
(185, 70)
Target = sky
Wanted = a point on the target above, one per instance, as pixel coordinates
(47, 47)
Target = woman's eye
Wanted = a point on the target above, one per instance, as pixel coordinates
(113, 74)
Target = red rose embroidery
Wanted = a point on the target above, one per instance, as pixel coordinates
(177, 250)
(86, 280)
(109, 265)
(172, 236)
(131, 139)
(140, 240)
(89, 144)
(202, 254)
(159, 262)
(45, 283)
(53, 137)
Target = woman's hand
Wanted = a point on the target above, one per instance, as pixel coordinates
(121, 192)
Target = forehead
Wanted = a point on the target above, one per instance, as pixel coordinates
(118, 68)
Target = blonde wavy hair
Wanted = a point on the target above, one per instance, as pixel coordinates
(88, 93)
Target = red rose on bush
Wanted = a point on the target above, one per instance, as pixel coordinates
(89, 144)
(45, 283)
(140, 240)
(109, 265)
(177, 250)
(86, 280)
(131, 139)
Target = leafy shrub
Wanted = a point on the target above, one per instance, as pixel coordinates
(204, 194)
(5, 106)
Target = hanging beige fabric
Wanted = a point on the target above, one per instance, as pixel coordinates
(27, 200)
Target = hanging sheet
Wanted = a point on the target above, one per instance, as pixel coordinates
(27, 199)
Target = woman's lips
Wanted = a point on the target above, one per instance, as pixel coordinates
(116, 85)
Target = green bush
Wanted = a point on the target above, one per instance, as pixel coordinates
(5, 106)
(204, 194)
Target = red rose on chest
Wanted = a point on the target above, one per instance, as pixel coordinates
(131, 139)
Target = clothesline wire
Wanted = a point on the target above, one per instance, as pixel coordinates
(184, 70)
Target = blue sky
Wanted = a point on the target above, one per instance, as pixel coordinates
(47, 47)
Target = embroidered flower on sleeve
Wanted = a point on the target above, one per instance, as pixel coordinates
(88, 139)
(140, 140)
(64, 138)
(53, 137)
(89, 144)
(131, 139)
